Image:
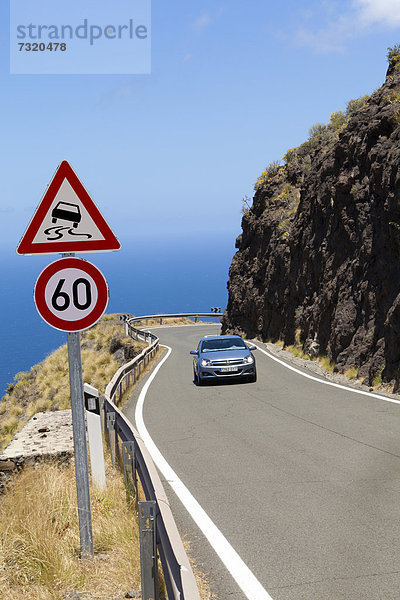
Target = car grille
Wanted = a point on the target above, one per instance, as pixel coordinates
(226, 363)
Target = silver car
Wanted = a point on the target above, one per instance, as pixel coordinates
(219, 356)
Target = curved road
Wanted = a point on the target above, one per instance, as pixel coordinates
(303, 479)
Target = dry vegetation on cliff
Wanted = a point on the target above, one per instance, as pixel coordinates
(300, 158)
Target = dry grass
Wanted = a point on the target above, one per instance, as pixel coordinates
(377, 382)
(279, 343)
(39, 538)
(46, 386)
(351, 373)
(326, 363)
(165, 321)
(297, 351)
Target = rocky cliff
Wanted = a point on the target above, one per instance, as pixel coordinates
(318, 261)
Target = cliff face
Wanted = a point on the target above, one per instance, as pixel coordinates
(319, 256)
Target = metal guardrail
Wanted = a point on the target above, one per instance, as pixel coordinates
(196, 317)
(179, 578)
(127, 373)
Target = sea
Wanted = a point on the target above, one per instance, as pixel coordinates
(147, 276)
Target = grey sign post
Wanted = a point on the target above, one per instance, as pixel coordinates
(80, 446)
(71, 295)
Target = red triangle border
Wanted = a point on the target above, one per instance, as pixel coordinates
(26, 245)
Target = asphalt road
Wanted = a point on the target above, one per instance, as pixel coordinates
(301, 478)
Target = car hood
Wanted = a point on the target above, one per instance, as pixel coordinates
(225, 354)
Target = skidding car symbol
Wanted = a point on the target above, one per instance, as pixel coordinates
(67, 212)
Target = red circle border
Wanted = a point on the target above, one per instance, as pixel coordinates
(62, 324)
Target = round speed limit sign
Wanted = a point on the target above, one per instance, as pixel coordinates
(71, 294)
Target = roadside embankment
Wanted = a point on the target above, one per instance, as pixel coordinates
(39, 532)
(45, 387)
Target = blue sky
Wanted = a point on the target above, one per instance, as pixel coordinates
(233, 85)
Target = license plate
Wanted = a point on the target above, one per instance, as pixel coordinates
(228, 369)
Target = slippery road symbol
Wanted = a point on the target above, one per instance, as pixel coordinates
(67, 220)
(57, 234)
(66, 211)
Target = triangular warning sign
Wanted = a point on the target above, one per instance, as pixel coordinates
(67, 220)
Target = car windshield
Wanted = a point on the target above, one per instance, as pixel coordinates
(67, 206)
(223, 344)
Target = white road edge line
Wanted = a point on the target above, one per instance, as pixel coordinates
(331, 383)
(240, 572)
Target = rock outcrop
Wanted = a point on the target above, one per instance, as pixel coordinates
(319, 257)
(47, 435)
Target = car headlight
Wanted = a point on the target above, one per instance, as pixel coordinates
(205, 363)
(249, 359)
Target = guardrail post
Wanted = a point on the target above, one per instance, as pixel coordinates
(130, 474)
(102, 414)
(148, 549)
(112, 437)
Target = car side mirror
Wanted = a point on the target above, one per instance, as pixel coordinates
(194, 352)
(252, 347)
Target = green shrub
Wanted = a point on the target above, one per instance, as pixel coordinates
(271, 171)
(377, 380)
(393, 55)
(338, 120)
(315, 129)
(246, 205)
(392, 97)
(354, 105)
